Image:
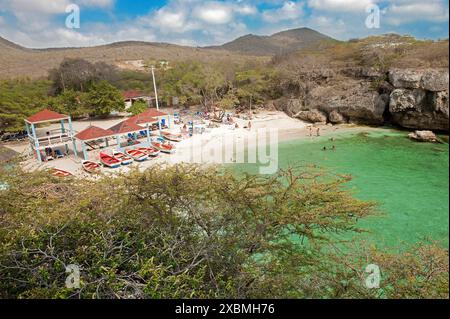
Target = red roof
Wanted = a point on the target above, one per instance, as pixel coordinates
(142, 119)
(125, 127)
(93, 133)
(132, 94)
(153, 113)
(46, 116)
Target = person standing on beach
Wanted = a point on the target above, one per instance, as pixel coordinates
(318, 131)
(249, 125)
(310, 131)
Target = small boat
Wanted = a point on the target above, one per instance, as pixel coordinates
(150, 151)
(123, 158)
(172, 137)
(137, 155)
(163, 147)
(91, 167)
(109, 161)
(60, 172)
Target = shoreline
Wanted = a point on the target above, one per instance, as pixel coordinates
(200, 148)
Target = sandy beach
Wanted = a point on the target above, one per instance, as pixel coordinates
(224, 144)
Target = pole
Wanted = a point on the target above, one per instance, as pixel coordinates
(156, 96)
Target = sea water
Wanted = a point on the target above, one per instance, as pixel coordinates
(408, 180)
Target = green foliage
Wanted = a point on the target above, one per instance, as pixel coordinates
(20, 99)
(138, 107)
(195, 83)
(70, 102)
(229, 101)
(132, 80)
(188, 232)
(103, 98)
(256, 85)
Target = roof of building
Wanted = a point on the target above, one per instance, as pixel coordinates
(152, 112)
(142, 119)
(131, 94)
(46, 116)
(125, 127)
(93, 133)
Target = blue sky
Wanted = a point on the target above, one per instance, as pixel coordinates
(36, 23)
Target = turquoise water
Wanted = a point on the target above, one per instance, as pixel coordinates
(409, 181)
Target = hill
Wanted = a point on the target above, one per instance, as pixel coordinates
(278, 43)
(17, 61)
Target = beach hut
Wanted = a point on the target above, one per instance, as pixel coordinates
(92, 134)
(56, 138)
(124, 128)
(162, 118)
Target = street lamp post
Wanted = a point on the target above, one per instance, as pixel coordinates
(156, 94)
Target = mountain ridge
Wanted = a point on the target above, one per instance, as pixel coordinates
(291, 34)
(278, 43)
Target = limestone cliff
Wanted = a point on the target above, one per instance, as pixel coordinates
(410, 98)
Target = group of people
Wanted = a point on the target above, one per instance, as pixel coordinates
(51, 154)
(311, 131)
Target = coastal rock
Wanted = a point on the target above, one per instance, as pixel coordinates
(405, 79)
(423, 136)
(402, 100)
(355, 101)
(418, 109)
(411, 98)
(336, 118)
(313, 116)
(439, 102)
(291, 107)
(435, 80)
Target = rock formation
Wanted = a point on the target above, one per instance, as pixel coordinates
(423, 136)
(410, 98)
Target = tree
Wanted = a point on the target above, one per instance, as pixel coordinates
(103, 98)
(78, 75)
(192, 232)
(138, 107)
(229, 100)
(70, 102)
(194, 83)
(20, 99)
(256, 85)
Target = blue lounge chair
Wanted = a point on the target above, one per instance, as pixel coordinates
(59, 154)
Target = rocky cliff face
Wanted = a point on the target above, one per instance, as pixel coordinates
(416, 99)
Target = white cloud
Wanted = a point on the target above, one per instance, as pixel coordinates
(289, 11)
(168, 20)
(246, 9)
(95, 3)
(400, 12)
(38, 23)
(214, 13)
(341, 5)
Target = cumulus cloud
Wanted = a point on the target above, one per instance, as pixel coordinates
(400, 12)
(38, 23)
(289, 11)
(341, 5)
(214, 13)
